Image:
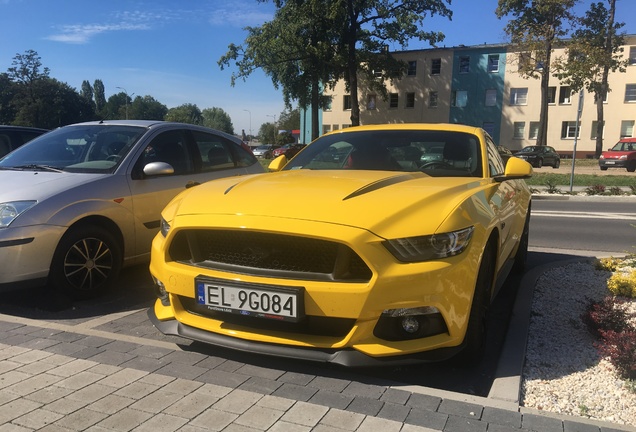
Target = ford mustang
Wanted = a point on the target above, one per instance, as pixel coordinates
(373, 255)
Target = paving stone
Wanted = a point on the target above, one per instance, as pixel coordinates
(162, 422)
(394, 412)
(260, 385)
(305, 414)
(541, 423)
(181, 370)
(17, 408)
(81, 419)
(396, 396)
(570, 426)
(225, 379)
(91, 393)
(259, 417)
(463, 424)
(80, 380)
(123, 377)
(12, 377)
(374, 424)
(275, 402)
(88, 352)
(120, 346)
(327, 383)
(366, 406)
(33, 384)
(30, 356)
(260, 372)
(210, 362)
(73, 367)
(147, 364)
(423, 401)
(331, 399)
(35, 368)
(126, 419)
(137, 390)
(237, 401)
(156, 401)
(65, 348)
(191, 405)
(94, 341)
(185, 357)
(37, 419)
(48, 395)
(66, 405)
(426, 418)
(365, 390)
(295, 392)
(501, 417)
(111, 404)
(38, 343)
(296, 378)
(112, 357)
(342, 419)
(459, 408)
(213, 420)
(151, 351)
(282, 426)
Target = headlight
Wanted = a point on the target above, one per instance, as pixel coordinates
(11, 210)
(165, 227)
(623, 157)
(424, 248)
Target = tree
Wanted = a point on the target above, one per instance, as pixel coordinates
(186, 113)
(87, 92)
(7, 91)
(267, 133)
(218, 119)
(25, 68)
(536, 28)
(99, 95)
(594, 51)
(289, 119)
(147, 108)
(115, 107)
(367, 28)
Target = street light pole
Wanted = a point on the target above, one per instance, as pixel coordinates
(274, 117)
(121, 88)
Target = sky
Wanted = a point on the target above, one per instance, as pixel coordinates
(170, 49)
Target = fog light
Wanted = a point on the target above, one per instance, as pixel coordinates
(410, 324)
(160, 290)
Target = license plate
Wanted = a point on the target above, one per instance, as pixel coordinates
(263, 301)
(609, 162)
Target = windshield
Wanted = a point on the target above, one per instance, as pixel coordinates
(529, 149)
(82, 148)
(437, 153)
(624, 146)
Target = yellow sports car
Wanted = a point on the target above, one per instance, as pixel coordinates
(358, 251)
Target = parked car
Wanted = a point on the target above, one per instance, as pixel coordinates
(622, 155)
(371, 257)
(505, 153)
(85, 199)
(539, 156)
(265, 151)
(12, 137)
(281, 150)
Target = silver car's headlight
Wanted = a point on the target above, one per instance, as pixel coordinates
(9, 211)
(436, 246)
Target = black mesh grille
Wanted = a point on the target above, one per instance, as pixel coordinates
(269, 254)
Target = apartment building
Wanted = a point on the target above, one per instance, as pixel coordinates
(481, 86)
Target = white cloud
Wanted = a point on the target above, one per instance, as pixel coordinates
(81, 34)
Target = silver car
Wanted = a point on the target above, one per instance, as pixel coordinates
(79, 203)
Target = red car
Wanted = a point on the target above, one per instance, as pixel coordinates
(622, 155)
(289, 150)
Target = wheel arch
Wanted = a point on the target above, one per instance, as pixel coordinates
(103, 222)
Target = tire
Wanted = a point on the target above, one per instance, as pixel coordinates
(631, 166)
(519, 265)
(540, 163)
(603, 168)
(86, 261)
(557, 164)
(474, 341)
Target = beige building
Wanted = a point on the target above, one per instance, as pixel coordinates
(480, 86)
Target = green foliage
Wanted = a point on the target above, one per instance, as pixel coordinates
(186, 113)
(595, 189)
(552, 188)
(541, 179)
(216, 118)
(147, 108)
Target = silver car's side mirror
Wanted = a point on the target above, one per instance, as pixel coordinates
(158, 168)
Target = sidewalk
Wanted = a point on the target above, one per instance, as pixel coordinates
(76, 377)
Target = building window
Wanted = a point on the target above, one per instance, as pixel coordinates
(534, 130)
(464, 64)
(519, 96)
(630, 93)
(433, 99)
(410, 100)
(371, 102)
(491, 97)
(519, 130)
(632, 55)
(412, 69)
(436, 66)
(459, 98)
(627, 128)
(336, 127)
(489, 127)
(593, 133)
(326, 129)
(493, 63)
(565, 95)
(346, 102)
(393, 100)
(328, 100)
(568, 130)
(552, 95)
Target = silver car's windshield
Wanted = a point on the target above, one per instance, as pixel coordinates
(84, 148)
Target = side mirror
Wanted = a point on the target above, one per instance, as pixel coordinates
(278, 163)
(158, 168)
(516, 169)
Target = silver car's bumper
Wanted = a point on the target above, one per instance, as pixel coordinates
(26, 254)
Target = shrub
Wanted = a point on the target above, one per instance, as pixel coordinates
(615, 190)
(597, 189)
(623, 284)
(551, 188)
(620, 347)
(608, 264)
(607, 315)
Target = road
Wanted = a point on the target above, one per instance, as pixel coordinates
(556, 228)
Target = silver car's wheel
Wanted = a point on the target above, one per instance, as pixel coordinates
(87, 260)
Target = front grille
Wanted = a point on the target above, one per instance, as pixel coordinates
(309, 325)
(267, 254)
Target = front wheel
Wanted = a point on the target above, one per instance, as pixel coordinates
(475, 338)
(557, 164)
(631, 166)
(603, 168)
(87, 260)
(539, 163)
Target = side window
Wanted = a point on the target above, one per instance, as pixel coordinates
(495, 164)
(169, 147)
(216, 153)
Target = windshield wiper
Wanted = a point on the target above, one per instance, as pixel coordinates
(37, 167)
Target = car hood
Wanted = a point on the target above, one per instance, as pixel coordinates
(39, 185)
(372, 200)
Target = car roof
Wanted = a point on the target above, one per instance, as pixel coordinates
(28, 128)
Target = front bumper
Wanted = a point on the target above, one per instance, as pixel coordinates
(612, 163)
(344, 357)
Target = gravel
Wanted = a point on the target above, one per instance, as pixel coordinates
(563, 371)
